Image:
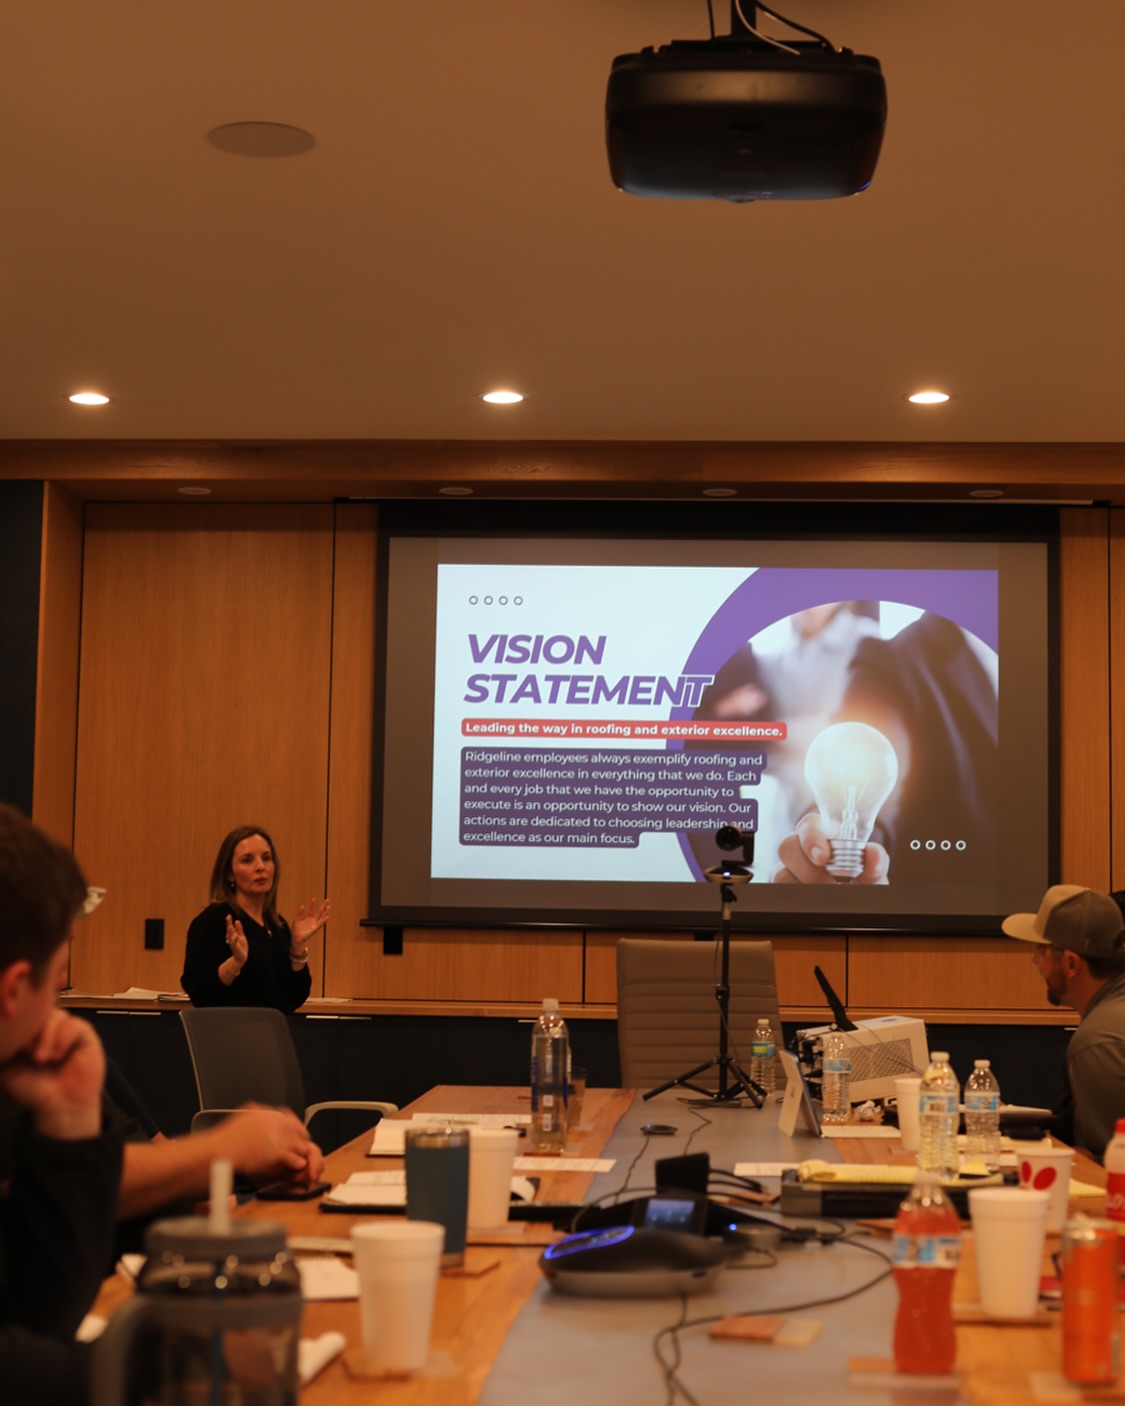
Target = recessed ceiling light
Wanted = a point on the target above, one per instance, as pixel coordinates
(454, 490)
(88, 398)
(261, 139)
(928, 398)
(194, 490)
(720, 492)
(502, 397)
(986, 493)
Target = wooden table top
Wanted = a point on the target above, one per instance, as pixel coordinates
(476, 1307)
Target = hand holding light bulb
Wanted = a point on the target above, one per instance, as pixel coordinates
(852, 769)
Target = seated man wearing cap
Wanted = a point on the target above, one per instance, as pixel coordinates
(1079, 935)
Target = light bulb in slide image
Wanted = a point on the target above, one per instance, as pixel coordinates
(852, 769)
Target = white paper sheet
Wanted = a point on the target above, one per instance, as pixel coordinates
(388, 1189)
(390, 1133)
(325, 1277)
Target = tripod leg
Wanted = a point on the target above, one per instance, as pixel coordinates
(682, 1079)
(754, 1092)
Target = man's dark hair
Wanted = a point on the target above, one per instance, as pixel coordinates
(41, 891)
(1103, 968)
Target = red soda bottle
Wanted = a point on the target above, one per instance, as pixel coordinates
(926, 1251)
(1115, 1182)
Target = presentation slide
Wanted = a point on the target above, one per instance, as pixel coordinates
(595, 714)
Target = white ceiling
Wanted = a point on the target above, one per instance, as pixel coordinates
(455, 228)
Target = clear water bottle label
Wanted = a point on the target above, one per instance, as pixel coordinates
(837, 1066)
(982, 1103)
(927, 1251)
(759, 1049)
(934, 1102)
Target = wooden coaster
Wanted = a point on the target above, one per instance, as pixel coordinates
(748, 1329)
(476, 1263)
(782, 1332)
(974, 1313)
(439, 1365)
(880, 1372)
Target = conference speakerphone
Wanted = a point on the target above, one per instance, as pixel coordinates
(558, 1213)
(632, 1262)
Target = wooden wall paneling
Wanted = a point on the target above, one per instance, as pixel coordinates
(1117, 695)
(203, 703)
(897, 975)
(353, 954)
(56, 688)
(478, 966)
(794, 957)
(600, 974)
(1084, 642)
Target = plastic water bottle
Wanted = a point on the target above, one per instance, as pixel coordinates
(836, 1078)
(982, 1115)
(1115, 1180)
(763, 1057)
(937, 1118)
(927, 1247)
(550, 1063)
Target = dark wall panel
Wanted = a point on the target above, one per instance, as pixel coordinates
(21, 526)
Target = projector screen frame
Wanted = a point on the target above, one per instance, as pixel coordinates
(677, 524)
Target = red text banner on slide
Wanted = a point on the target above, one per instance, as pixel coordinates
(726, 732)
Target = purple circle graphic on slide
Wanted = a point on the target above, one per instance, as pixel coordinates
(970, 598)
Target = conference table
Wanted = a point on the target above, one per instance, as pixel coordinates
(502, 1337)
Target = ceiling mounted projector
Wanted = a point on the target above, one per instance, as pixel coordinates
(741, 118)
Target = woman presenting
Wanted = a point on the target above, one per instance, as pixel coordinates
(240, 951)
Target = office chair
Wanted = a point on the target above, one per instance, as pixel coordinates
(244, 1053)
(667, 1014)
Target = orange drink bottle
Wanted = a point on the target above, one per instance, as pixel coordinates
(927, 1248)
(1089, 1301)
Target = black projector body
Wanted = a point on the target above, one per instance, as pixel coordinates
(724, 119)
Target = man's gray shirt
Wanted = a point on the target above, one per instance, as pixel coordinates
(1095, 1064)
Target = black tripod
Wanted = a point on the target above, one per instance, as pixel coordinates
(734, 1083)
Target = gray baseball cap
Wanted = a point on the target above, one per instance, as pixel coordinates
(1072, 919)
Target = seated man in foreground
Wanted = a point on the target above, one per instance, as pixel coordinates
(263, 1145)
(57, 1220)
(1079, 938)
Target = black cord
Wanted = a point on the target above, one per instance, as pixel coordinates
(711, 17)
(672, 1332)
(629, 1172)
(729, 1179)
(673, 1387)
(703, 1123)
(804, 29)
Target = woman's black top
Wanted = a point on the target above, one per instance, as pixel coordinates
(267, 977)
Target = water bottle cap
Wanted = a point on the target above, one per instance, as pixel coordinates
(550, 1003)
(939, 1057)
(982, 1064)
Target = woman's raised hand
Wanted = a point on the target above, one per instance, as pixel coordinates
(236, 941)
(308, 922)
